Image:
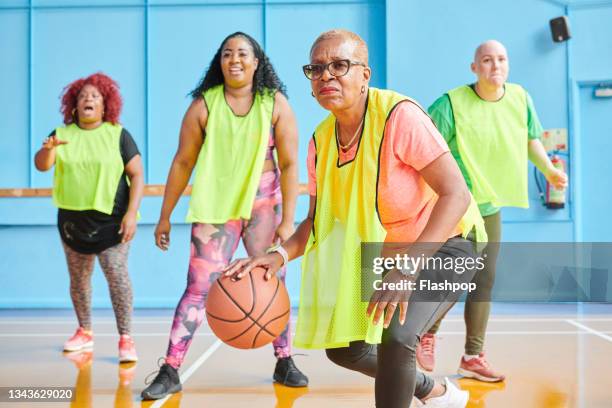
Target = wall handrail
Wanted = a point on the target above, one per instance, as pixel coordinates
(150, 190)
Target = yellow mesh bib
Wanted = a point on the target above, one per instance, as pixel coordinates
(492, 140)
(88, 168)
(331, 312)
(231, 160)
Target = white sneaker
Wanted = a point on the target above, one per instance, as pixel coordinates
(452, 398)
(416, 403)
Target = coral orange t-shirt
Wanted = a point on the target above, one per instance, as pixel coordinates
(405, 200)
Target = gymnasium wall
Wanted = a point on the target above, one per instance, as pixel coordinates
(158, 49)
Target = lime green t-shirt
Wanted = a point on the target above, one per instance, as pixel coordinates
(441, 111)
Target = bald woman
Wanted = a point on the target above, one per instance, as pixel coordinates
(492, 129)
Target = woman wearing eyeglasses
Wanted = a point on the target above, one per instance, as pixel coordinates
(238, 118)
(378, 171)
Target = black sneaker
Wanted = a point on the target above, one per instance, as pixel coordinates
(166, 382)
(288, 374)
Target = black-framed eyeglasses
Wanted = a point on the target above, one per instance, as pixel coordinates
(336, 68)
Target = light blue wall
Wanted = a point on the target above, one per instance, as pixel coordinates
(14, 98)
(436, 40)
(157, 50)
(591, 46)
(594, 177)
(590, 64)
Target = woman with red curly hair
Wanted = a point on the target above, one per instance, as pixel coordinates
(97, 186)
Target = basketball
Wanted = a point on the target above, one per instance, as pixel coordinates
(250, 312)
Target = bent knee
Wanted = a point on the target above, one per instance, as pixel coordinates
(353, 356)
(402, 341)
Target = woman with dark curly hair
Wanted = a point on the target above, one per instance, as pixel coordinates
(97, 185)
(238, 117)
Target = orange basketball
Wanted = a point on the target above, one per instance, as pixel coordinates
(248, 313)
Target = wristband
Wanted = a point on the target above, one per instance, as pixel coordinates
(281, 251)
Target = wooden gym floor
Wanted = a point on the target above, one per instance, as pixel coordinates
(554, 356)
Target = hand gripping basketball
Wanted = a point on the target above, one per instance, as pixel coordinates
(249, 312)
(271, 262)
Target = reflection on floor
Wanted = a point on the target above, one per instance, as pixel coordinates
(553, 358)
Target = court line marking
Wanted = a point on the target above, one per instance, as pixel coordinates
(590, 330)
(441, 333)
(95, 334)
(73, 321)
(517, 332)
(192, 369)
(169, 320)
(16, 321)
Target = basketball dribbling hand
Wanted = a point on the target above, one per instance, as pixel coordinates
(271, 262)
(386, 300)
(162, 234)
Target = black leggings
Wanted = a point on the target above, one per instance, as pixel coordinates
(392, 363)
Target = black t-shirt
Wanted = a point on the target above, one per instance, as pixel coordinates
(92, 231)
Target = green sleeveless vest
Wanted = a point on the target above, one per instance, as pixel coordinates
(88, 168)
(231, 160)
(492, 140)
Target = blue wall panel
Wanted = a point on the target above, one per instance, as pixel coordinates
(182, 42)
(35, 274)
(289, 53)
(14, 4)
(85, 3)
(596, 147)
(430, 46)
(592, 42)
(157, 53)
(73, 43)
(157, 278)
(157, 50)
(535, 232)
(14, 98)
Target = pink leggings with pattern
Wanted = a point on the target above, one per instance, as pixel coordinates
(212, 248)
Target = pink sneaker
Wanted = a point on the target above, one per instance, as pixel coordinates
(425, 352)
(479, 369)
(81, 339)
(127, 350)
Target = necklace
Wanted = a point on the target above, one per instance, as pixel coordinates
(350, 142)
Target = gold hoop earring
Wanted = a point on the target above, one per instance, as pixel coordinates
(363, 89)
